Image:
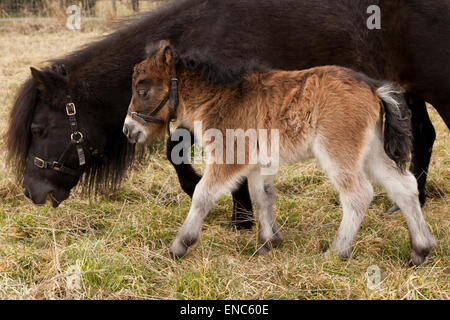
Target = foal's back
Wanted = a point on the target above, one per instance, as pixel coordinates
(332, 103)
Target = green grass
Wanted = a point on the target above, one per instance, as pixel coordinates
(118, 243)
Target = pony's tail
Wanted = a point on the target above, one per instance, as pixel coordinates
(397, 125)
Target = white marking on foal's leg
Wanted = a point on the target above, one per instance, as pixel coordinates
(401, 187)
(263, 195)
(206, 194)
(355, 193)
(354, 205)
(202, 202)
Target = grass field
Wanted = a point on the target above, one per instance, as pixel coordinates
(116, 246)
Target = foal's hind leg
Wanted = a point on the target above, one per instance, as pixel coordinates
(263, 194)
(355, 194)
(423, 139)
(401, 187)
(216, 181)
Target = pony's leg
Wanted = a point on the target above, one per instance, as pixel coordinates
(263, 194)
(242, 217)
(186, 174)
(401, 187)
(217, 180)
(242, 206)
(423, 139)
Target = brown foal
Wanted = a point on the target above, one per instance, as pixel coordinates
(356, 127)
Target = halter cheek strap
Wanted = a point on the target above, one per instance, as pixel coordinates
(171, 96)
(77, 140)
(143, 118)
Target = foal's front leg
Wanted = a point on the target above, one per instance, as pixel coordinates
(242, 205)
(217, 181)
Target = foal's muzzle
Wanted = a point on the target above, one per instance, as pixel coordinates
(134, 131)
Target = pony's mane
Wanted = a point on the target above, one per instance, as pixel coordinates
(18, 136)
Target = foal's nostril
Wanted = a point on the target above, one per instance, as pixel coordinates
(125, 130)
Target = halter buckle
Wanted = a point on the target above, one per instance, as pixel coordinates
(76, 137)
(70, 109)
(38, 162)
(56, 166)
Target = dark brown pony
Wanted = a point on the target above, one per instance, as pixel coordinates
(329, 113)
(411, 48)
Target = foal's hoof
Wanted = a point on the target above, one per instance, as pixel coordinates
(178, 251)
(392, 209)
(265, 245)
(343, 252)
(180, 248)
(420, 255)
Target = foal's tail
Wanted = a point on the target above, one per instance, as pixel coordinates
(397, 125)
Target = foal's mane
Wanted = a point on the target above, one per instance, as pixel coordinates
(216, 72)
(211, 68)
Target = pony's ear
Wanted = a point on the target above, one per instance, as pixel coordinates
(39, 77)
(167, 53)
(48, 80)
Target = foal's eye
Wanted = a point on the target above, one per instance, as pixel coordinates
(142, 93)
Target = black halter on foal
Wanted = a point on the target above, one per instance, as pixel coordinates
(76, 140)
(171, 96)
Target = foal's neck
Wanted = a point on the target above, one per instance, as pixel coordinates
(197, 95)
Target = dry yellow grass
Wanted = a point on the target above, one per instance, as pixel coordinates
(117, 247)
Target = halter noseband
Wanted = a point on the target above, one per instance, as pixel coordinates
(76, 139)
(171, 96)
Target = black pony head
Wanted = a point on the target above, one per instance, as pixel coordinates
(56, 134)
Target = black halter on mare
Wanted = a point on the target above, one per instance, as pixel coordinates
(77, 140)
(171, 96)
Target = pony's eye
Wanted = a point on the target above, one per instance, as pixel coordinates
(37, 130)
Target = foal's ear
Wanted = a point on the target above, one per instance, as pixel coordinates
(167, 53)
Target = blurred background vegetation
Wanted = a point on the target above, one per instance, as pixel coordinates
(90, 8)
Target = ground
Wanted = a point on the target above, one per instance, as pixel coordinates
(116, 246)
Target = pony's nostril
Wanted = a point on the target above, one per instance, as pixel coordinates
(26, 192)
(125, 130)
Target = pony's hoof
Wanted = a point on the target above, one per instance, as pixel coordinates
(243, 221)
(392, 209)
(243, 225)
